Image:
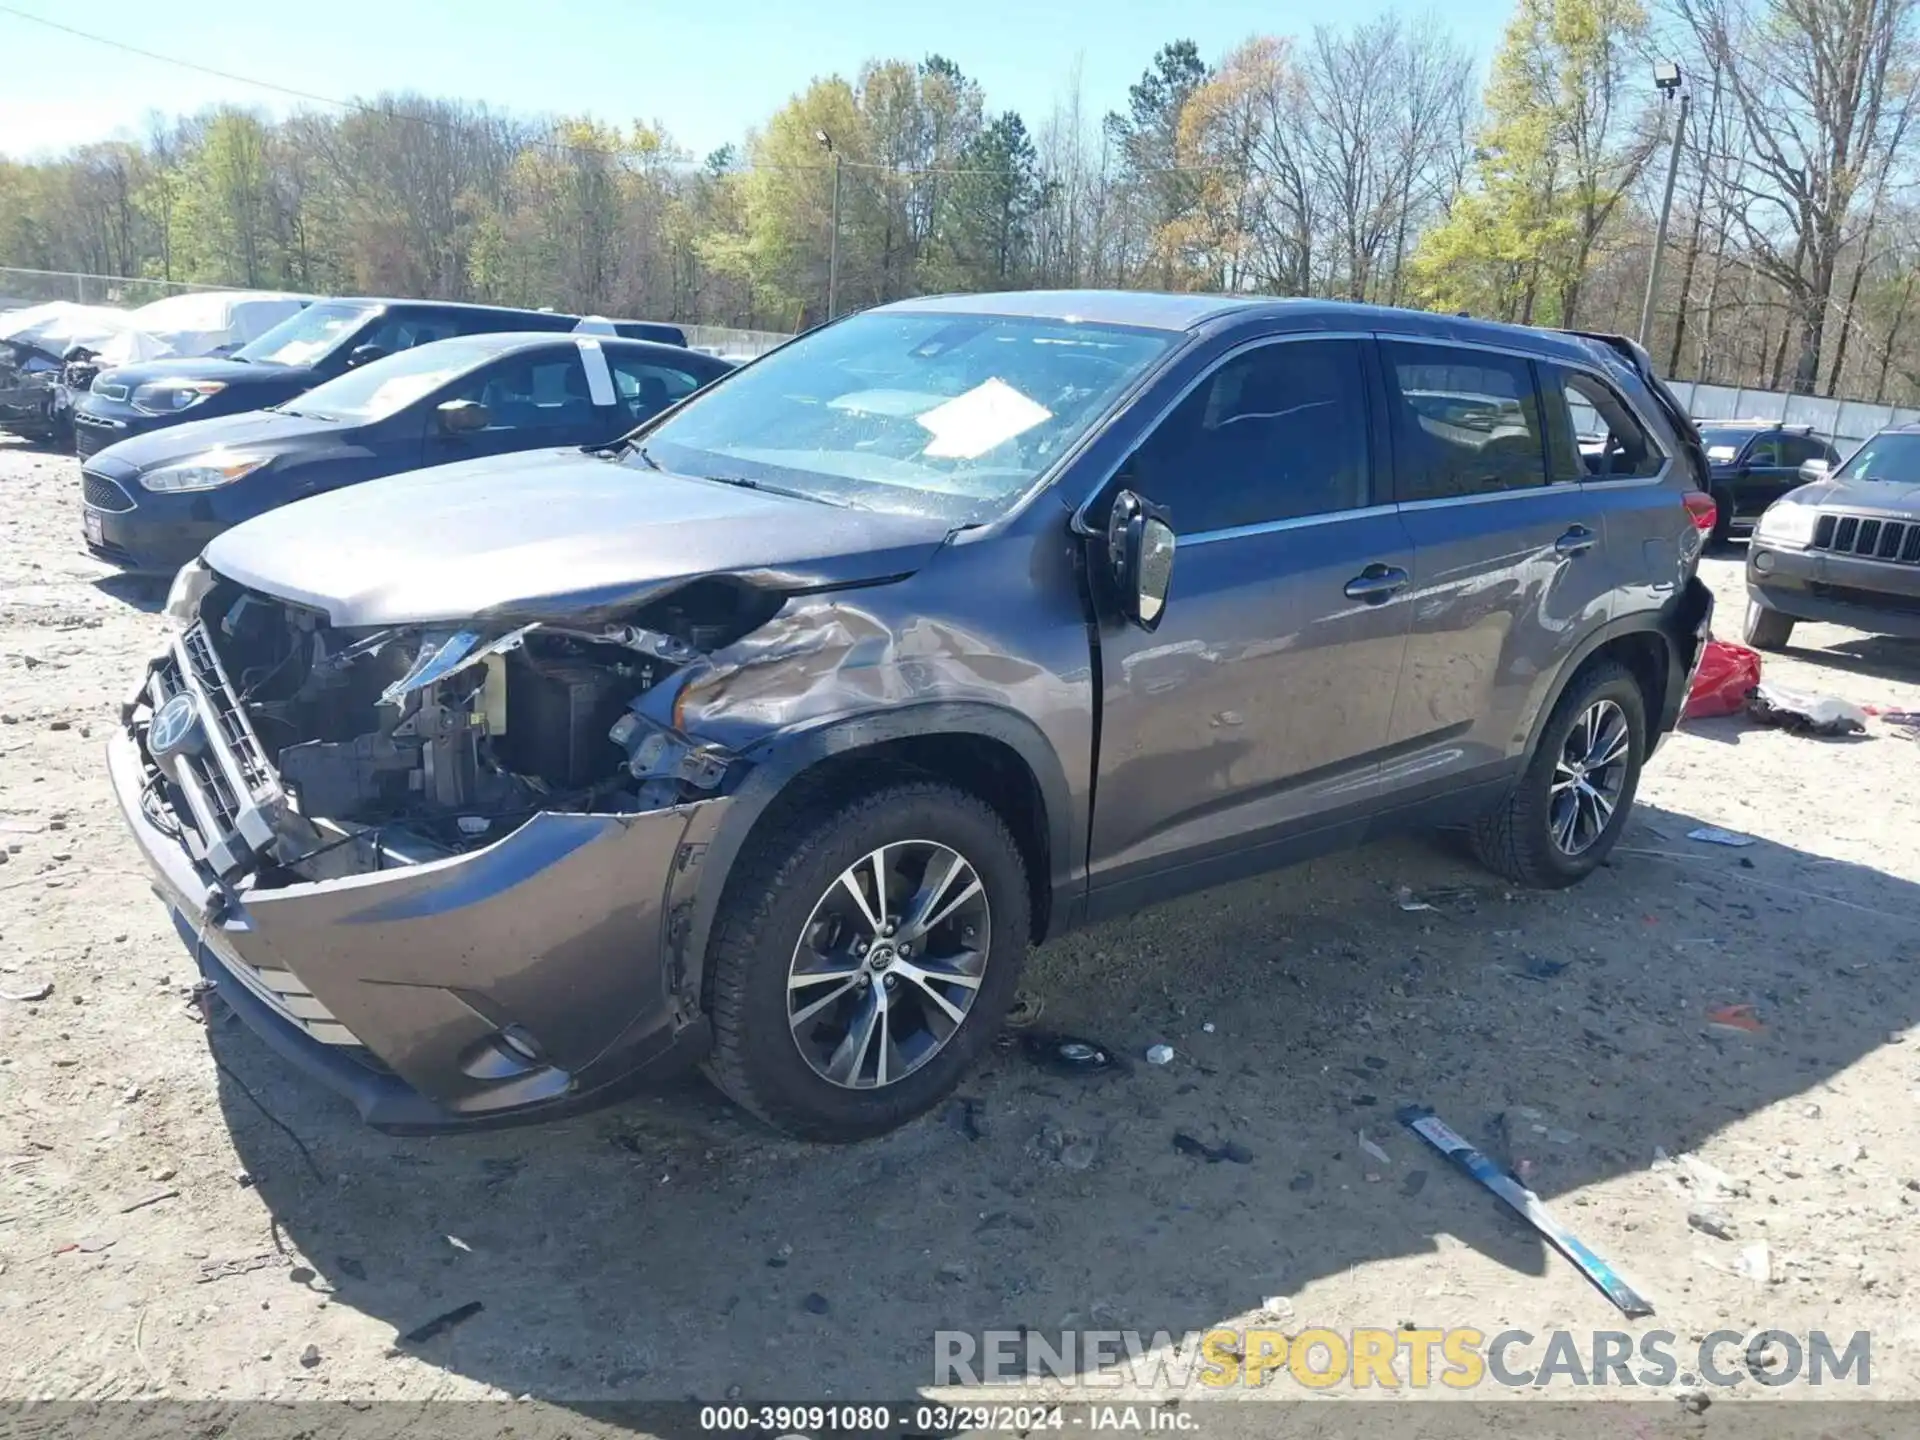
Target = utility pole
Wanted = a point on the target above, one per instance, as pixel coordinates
(1666, 77)
(833, 235)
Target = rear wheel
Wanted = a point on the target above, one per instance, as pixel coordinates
(1766, 629)
(868, 955)
(1566, 812)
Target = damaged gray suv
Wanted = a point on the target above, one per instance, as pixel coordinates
(771, 738)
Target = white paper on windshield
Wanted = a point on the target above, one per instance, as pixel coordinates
(969, 425)
(405, 389)
(1720, 454)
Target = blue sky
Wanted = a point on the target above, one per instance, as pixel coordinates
(706, 69)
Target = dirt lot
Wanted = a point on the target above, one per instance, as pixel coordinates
(668, 1249)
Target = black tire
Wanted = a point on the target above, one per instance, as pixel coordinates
(1515, 839)
(1722, 535)
(1765, 629)
(773, 894)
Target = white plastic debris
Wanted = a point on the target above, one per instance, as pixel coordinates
(1714, 835)
(1756, 1263)
(1159, 1054)
(1374, 1150)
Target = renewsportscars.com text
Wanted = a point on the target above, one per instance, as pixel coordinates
(1414, 1359)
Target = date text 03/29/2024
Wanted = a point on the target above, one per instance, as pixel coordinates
(781, 1421)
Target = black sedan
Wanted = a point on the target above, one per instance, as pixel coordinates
(323, 341)
(152, 502)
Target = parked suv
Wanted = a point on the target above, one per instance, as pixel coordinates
(323, 341)
(1844, 549)
(1754, 463)
(774, 738)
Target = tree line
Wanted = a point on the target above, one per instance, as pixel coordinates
(1369, 162)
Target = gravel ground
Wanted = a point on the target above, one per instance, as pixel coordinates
(182, 1216)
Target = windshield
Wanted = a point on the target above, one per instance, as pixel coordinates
(945, 415)
(303, 338)
(1887, 456)
(1723, 445)
(384, 387)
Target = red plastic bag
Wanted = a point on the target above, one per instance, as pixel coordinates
(1728, 673)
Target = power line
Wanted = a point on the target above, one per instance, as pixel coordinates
(556, 146)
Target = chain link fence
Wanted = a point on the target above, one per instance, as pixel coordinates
(20, 288)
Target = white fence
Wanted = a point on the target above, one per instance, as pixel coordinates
(1845, 422)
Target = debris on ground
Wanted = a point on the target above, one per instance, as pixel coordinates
(1159, 1054)
(1429, 1127)
(1711, 1222)
(440, 1324)
(1740, 1018)
(1024, 1011)
(32, 992)
(1728, 673)
(963, 1114)
(459, 1244)
(816, 1303)
(1067, 1054)
(145, 1200)
(310, 1356)
(1756, 1264)
(1213, 1154)
(1373, 1150)
(1714, 835)
(1804, 712)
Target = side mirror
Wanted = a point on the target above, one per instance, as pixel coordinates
(365, 355)
(1140, 546)
(462, 417)
(1815, 469)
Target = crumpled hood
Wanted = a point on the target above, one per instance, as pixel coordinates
(549, 534)
(254, 430)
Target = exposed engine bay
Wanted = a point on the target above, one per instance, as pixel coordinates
(309, 752)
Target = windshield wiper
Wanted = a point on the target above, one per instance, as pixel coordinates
(743, 483)
(645, 459)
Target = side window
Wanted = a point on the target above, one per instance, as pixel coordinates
(1602, 440)
(542, 390)
(407, 329)
(643, 388)
(1465, 421)
(1798, 449)
(1276, 433)
(1766, 450)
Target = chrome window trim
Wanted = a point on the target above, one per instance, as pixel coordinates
(1297, 522)
(1079, 518)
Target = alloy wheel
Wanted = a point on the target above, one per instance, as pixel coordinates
(1589, 777)
(888, 964)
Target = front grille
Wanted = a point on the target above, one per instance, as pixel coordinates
(1868, 538)
(234, 727)
(232, 793)
(110, 392)
(94, 422)
(101, 493)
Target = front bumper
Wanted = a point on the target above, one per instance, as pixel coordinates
(99, 422)
(512, 983)
(141, 530)
(1881, 597)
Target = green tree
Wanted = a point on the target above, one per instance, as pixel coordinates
(1561, 144)
(985, 223)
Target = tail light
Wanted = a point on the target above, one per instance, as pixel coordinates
(1703, 510)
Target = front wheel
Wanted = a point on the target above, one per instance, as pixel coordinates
(1569, 806)
(868, 953)
(1766, 629)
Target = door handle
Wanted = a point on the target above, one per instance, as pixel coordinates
(1577, 541)
(1376, 583)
